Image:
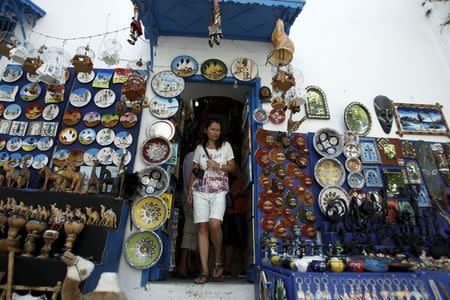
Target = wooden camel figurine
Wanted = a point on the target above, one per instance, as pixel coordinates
(50, 177)
(10, 174)
(109, 218)
(69, 173)
(93, 216)
(94, 181)
(24, 175)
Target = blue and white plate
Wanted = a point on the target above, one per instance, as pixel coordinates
(117, 157)
(60, 157)
(356, 180)
(14, 144)
(15, 160)
(30, 91)
(4, 157)
(45, 143)
(184, 66)
(163, 108)
(105, 156)
(168, 85)
(87, 136)
(80, 97)
(90, 156)
(12, 111)
(50, 112)
(105, 137)
(40, 161)
(123, 139)
(12, 73)
(29, 143)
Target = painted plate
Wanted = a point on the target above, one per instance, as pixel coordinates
(12, 111)
(117, 157)
(45, 143)
(331, 194)
(92, 119)
(168, 85)
(277, 116)
(353, 165)
(29, 143)
(350, 137)
(33, 111)
(162, 128)
(30, 91)
(104, 98)
(123, 139)
(328, 142)
(244, 69)
(33, 78)
(105, 156)
(90, 156)
(84, 77)
(356, 180)
(14, 144)
(60, 157)
(163, 108)
(110, 120)
(329, 171)
(87, 136)
(184, 66)
(80, 97)
(357, 118)
(214, 69)
(15, 159)
(143, 249)
(50, 112)
(12, 73)
(105, 137)
(149, 213)
(68, 136)
(260, 115)
(128, 120)
(2, 143)
(351, 150)
(40, 161)
(154, 180)
(156, 151)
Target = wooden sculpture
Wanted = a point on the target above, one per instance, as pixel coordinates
(94, 180)
(69, 173)
(93, 216)
(108, 218)
(49, 177)
(107, 180)
(10, 174)
(24, 175)
(121, 177)
(80, 215)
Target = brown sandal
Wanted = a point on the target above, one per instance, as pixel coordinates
(218, 270)
(202, 278)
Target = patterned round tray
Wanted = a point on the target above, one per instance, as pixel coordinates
(156, 151)
(328, 142)
(154, 180)
(335, 196)
(329, 171)
(168, 85)
(143, 249)
(149, 213)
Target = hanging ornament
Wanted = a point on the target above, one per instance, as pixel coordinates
(283, 47)
(215, 26)
(35, 58)
(19, 53)
(135, 26)
(82, 60)
(110, 55)
(7, 43)
(53, 70)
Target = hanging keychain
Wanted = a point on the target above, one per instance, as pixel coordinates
(384, 293)
(351, 283)
(406, 291)
(300, 293)
(374, 293)
(318, 294)
(309, 294)
(326, 291)
(359, 293)
(334, 282)
(343, 283)
(415, 293)
(366, 289)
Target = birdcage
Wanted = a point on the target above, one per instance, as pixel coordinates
(110, 54)
(19, 53)
(35, 58)
(53, 71)
(83, 60)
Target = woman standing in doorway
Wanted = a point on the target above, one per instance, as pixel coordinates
(207, 193)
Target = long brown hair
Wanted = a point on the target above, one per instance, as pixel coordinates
(204, 136)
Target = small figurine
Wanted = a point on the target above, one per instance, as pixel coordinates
(215, 26)
(135, 26)
(24, 174)
(80, 215)
(69, 173)
(94, 181)
(93, 217)
(11, 175)
(121, 177)
(108, 218)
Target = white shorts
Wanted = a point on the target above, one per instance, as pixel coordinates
(208, 206)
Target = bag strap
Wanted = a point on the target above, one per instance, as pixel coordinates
(206, 151)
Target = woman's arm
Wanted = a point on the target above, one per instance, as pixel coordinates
(191, 183)
(228, 168)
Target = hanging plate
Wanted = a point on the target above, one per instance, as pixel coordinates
(123, 139)
(351, 150)
(353, 165)
(33, 78)
(14, 144)
(104, 98)
(2, 109)
(356, 180)
(91, 119)
(156, 151)
(105, 137)
(329, 171)
(40, 161)
(244, 69)
(29, 143)
(33, 111)
(350, 137)
(214, 69)
(328, 142)
(260, 115)
(110, 120)
(335, 196)
(90, 156)
(154, 180)
(71, 117)
(80, 97)
(163, 108)
(143, 249)
(167, 85)
(30, 91)
(184, 66)
(357, 118)
(84, 77)
(87, 136)
(117, 157)
(149, 213)
(128, 120)
(45, 143)
(162, 128)
(12, 73)
(60, 157)
(2, 143)
(277, 116)
(68, 136)
(50, 112)
(12, 111)
(15, 159)
(105, 156)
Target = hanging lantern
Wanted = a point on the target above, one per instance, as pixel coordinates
(134, 88)
(110, 55)
(19, 54)
(7, 43)
(83, 60)
(283, 47)
(53, 71)
(35, 58)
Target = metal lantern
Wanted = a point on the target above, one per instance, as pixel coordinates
(19, 54)
(83, 60)
(110, 55)
(35, 58)
(53, 71)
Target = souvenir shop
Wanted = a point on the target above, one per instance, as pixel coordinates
(91, 160)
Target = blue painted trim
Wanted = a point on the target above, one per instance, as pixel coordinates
(31, 5)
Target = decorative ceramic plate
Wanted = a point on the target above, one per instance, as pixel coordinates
(156, 151)
(244, 69)
(45, 143)
(60, 157)
(33, 111)
(90, 156)
(12, 111)
(104, 98)
(328, 142)
(105, 137)
(329, 171)
(29, 143)
(350, 137)
(30, 91)
(351, 150)
(168, 85)
(14, 144)
(71, 117)
(68, 136)
(143, 249)
(184, 66)
(84, 77)
(334, 194)
(87, 136)
(12, 73)
(33, 78)
(105, 156)
(80, 97)
(353, 165)
(110, 120)
(40, 161)
(91, 119)
(154, 180)
(77, 157)
(260, 115)
(357, 118)
(356, 180)
(162, 128)
(149, 213)
(163, 108)
(214, 69)
(117, 157)
(277, 116)
(15, 159)
(50, 112)
(123, 139)
(128, 120)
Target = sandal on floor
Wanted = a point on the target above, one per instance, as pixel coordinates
(202, 278)
(218, 270)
